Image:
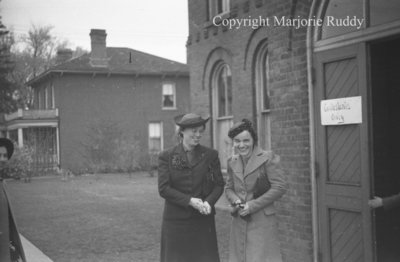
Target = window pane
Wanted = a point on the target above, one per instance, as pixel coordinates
(167, 89)
(168, 101)
(383, 11)
(221, 92)
(338, 15)
(154, 130)
(168, 95)
(265, 68)
(219, 6)
(42, 99)
(229, 90)
(154, 144)
(225, 6)
(50, 97)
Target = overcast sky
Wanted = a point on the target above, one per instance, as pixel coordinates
(157, 27)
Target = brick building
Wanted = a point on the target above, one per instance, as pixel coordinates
(137, 93)
(276, 62)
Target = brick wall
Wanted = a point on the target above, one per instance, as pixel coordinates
(289, 98)
(127, 101)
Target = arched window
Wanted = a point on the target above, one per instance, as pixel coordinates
(262, 109)
(221, 83)
(224, 90)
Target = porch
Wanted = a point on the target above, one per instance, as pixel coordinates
(37, 129)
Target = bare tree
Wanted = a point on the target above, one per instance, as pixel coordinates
(40, 45)
(34, 53)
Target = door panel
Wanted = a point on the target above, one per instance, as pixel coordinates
(346, 236)
(342, 158)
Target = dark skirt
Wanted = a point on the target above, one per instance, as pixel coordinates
(193, 240)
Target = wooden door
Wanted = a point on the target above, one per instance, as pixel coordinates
(342, 160)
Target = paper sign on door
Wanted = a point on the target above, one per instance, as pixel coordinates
(341, 111)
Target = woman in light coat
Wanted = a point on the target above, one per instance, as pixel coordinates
(253, 235)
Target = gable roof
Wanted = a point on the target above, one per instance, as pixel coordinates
(121, 60)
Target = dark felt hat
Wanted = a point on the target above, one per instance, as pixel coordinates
(8, 145)
(190, 120)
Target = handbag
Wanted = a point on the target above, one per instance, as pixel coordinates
(262, 184)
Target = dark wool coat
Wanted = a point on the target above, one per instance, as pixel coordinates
(255, 239)
(186, 234)
(391, 202)
(10, 243)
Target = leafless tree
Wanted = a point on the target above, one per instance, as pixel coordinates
(34, 53)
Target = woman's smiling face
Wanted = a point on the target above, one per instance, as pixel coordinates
(243, 143)
(192, 136)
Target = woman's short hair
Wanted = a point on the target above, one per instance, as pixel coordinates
(244, 125)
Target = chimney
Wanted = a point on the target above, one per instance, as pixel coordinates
(98, 55)
(63, 55)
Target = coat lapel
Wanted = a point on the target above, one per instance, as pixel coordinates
(236, 165)
(258, 157)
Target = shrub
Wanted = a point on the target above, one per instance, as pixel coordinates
(20, 164)
(148, 162)
(108, 150)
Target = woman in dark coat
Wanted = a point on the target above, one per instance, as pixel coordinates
(255, 181)
(10, 243)
(190, 181)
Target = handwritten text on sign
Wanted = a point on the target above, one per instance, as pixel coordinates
(341, 111)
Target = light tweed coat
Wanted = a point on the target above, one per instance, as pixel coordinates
(255, 240)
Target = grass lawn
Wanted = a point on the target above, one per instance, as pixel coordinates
(96, 218)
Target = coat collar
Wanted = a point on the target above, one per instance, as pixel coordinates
(198, 154)
(257, 158)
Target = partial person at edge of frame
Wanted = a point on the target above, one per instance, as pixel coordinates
(255, 181)
(10, 243)
(386, 202)
(191, 182)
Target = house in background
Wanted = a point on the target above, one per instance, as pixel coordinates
(267, 68)
(134, 93)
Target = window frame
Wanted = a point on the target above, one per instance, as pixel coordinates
(215, 5)
(173, 85)
(218, 70)
(223, 122)
(160, 137)
(261, 78)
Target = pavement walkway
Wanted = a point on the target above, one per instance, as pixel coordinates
(32, 253)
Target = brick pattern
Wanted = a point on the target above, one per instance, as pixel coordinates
(288, 94)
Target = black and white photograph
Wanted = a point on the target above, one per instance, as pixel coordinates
(199, 131)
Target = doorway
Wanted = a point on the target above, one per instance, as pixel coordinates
(342, 159)
(385, 96)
